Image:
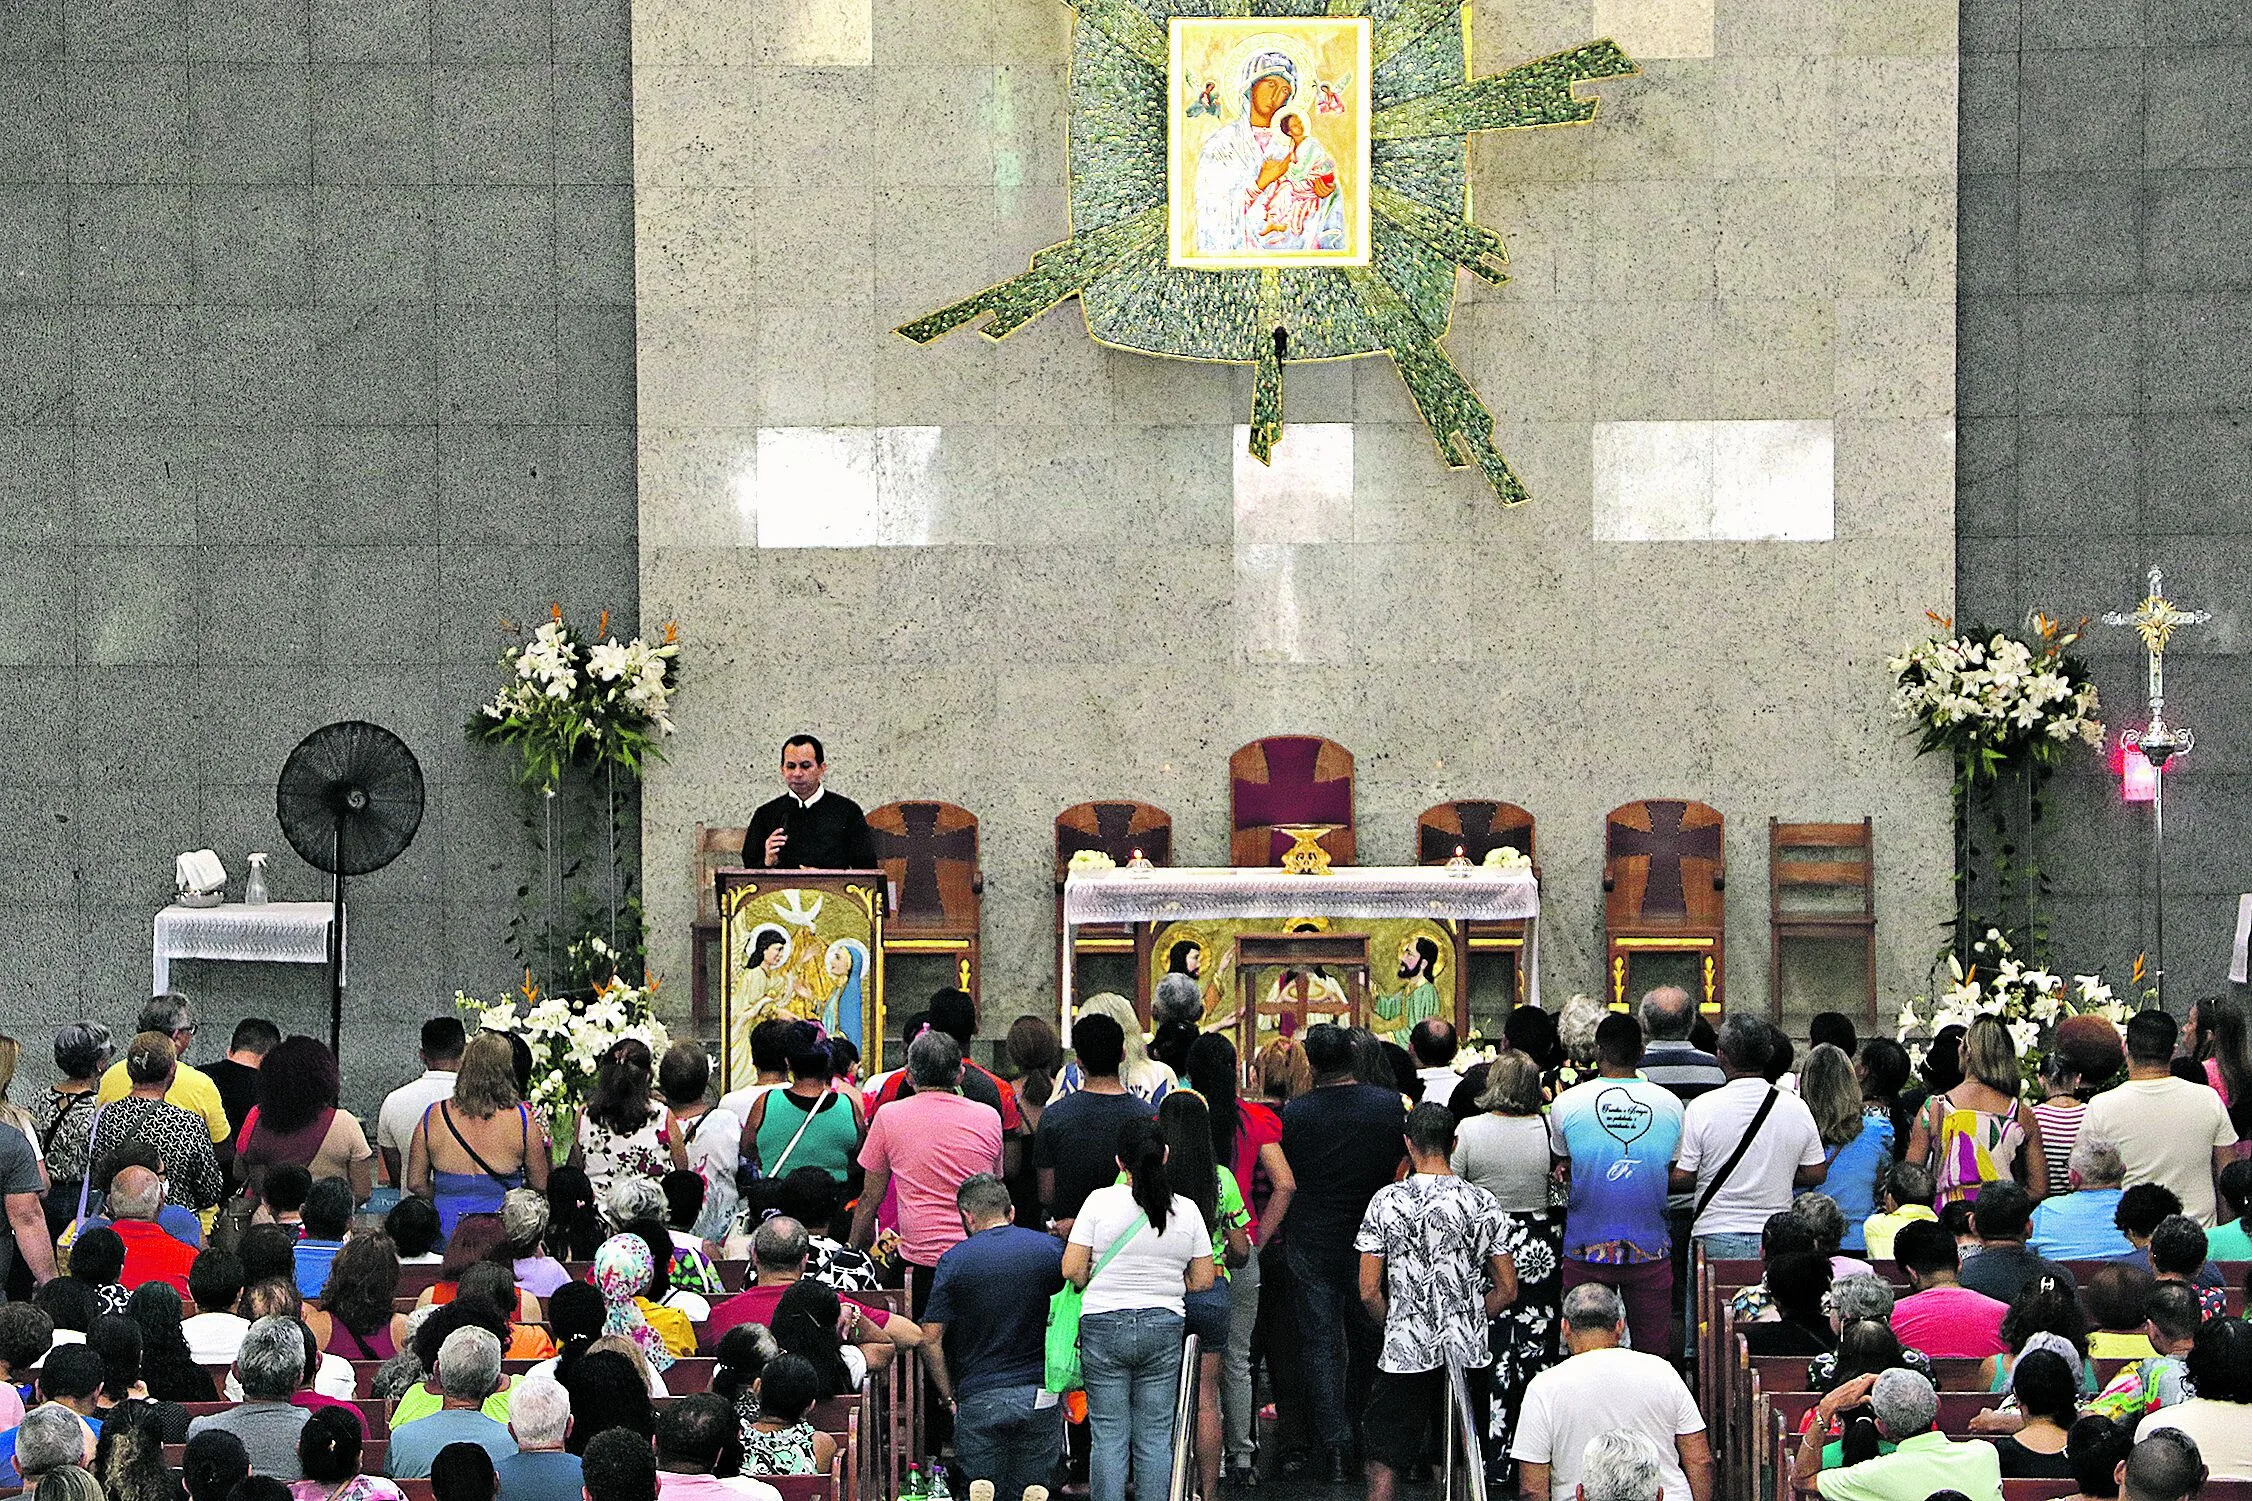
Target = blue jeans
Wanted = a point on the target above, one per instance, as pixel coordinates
(1334, 1342)
(1002, 1436)
(1131, 1361)
(1728, 1246)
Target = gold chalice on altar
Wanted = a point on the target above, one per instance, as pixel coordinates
(1306, 857)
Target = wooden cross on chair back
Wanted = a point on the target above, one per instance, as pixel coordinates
(1286, 779)
(1117, 828)
(1476, 827)
(1663, 879)
(929, 855)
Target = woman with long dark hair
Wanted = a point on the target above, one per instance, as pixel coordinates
(1137, 1250)
(355, 1318)
(1196, 1174)
(805, 1323)
(1248, 1139)
(2228, 1067)
(625, 1128)
(168, 1366)
(296, 1121)
(606, 1392)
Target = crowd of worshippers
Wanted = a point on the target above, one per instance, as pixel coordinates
(1344, 1224)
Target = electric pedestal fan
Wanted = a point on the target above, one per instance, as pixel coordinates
(349, 800)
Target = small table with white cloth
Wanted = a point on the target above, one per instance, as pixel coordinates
(1170, 893)
(271, 933)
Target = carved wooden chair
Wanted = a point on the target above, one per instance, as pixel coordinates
(1117, 828)
(1663, 891)
(1286, 779)
(1821, 885)
(928, 852)
(1476, 827)
(717, 848)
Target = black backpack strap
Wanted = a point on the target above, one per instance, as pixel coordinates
(1720, 1179)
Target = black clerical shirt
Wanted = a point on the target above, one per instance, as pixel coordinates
(830, 834)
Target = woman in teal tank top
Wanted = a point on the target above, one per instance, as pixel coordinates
(829, 1141)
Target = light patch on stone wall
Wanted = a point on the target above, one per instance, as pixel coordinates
(1714, 482)
(826, 33)
(1657, 28)
(1305, 495)
(841, 486)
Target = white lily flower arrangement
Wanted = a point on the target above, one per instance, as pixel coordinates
(1992, 699)
(567, 698)
(569, 1036)
(2030, 1001)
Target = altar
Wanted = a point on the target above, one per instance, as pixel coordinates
(1408, 925)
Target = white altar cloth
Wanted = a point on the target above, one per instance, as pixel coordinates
(277, 933)
(1172, 893)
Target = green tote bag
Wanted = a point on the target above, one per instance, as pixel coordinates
(1063, 1318)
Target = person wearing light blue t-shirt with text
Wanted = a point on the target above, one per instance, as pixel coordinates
(1618, 1134)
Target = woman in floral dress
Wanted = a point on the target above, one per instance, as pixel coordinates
(1523, 1334)
(625, 1130)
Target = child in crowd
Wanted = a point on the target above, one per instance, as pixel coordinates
(414, 1229)
(1905, 1192)
(780, 1441)
(2160, 1380)
(282, 1196)
(2228, 1241)
(97, 1258)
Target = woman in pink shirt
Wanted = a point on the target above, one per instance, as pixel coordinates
(1942, 1317)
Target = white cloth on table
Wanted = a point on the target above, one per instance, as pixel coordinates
(275, 933)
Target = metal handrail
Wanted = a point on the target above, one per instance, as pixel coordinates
(1461, 1438)
(1184, 1424)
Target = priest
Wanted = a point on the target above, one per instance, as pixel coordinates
(808, 827)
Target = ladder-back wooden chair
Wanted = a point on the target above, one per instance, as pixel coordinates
(1822, 886)
(718, 847)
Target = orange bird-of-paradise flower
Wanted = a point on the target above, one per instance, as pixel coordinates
(672, 633)
(1944, 622)
(2138, 973)
(555, 612)
(602, 624)
(530, 990)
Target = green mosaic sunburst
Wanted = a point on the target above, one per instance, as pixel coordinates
(1422, 111)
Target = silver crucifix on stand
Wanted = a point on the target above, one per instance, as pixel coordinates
(2155, 620)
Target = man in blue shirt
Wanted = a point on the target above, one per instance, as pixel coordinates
(468, 1373)
(985, 1331)
(2081, 1225)
(1619, 1132)
(70, 1378)
(539, 1417)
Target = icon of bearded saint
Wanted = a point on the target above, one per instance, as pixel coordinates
(1263, 182)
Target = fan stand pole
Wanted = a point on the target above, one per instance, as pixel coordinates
(336, 949)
